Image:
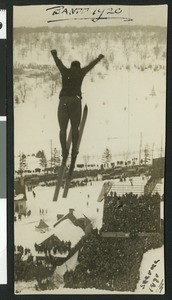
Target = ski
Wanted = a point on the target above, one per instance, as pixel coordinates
(72, 165)
(62, 169)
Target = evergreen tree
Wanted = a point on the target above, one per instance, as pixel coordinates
(22, 162)
(43, 160)
(55, 157)
(39, 154)
(146, 154)
(107, 156)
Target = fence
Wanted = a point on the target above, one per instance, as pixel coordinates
(122, 189)
(138, 189)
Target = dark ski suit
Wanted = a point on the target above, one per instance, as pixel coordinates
(70, 100)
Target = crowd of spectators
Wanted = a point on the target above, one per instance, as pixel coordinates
(131, 213)
(110, 263)
(18, 216)
(21, 250)
(53, 246)
(74, 183)
(77, 183)
(30, 269)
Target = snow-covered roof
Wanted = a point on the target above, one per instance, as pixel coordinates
(42, 225)
(78, 215)
(65, 231)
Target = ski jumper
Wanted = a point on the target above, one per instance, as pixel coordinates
(70, 101)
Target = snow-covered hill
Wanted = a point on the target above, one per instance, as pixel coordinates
(125, 92)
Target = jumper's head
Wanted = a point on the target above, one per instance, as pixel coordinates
(75, 64)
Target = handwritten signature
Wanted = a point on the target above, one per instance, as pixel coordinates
(85, 13)
(153, 282)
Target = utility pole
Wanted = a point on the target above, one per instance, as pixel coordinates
(161, 149)
(20, 162)
(51, 154)
(140, 150)
(152, 151)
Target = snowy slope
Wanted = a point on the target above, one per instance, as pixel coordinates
(120, 99)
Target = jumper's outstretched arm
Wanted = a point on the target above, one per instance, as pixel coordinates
(92, 64)
(58, 62)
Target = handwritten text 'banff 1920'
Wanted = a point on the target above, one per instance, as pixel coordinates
(65, 13)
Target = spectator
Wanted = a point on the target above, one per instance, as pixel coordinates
(130, 213)
(108, 263)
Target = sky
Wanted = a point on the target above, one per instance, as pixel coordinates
(37, 15)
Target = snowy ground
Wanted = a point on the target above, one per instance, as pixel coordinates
(77, 199)
(121, 107)
(155, 284)
(26, 235)
(156, 277)
(82, 199)
(123, 110)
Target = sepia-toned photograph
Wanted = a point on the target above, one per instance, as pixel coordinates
(89, 104)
